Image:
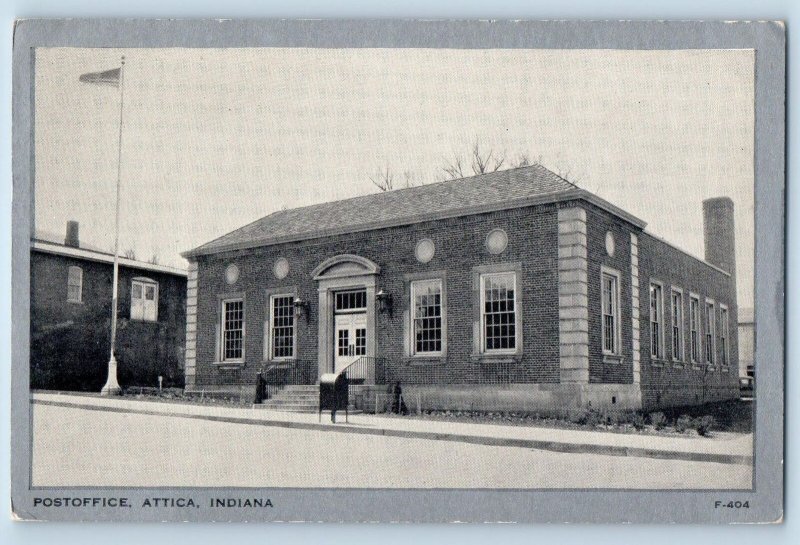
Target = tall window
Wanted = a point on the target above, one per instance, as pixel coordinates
(694, 325)
(233, 330)
(426, 296)
(710, 328)
(282, 324)
(610, 309)
(677, 325)
(144, 300)
(499, 312)
(656, 321)
(723, 334)
(75, 285)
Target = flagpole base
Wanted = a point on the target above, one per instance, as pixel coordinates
(111, 387)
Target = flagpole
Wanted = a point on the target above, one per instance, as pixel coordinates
(111, 386)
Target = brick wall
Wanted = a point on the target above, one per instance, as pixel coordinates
(70, 341)
(609, 369)
(666, 382)
(532, 243)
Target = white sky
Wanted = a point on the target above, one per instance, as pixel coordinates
(216, 138)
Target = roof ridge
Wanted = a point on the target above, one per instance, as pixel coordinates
(243, 228)
(476, 192)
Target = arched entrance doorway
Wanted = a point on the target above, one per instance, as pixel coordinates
(346, 285)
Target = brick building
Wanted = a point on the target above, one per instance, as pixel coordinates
(71, 290)
(511, 290)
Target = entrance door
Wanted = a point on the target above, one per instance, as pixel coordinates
(350, 332)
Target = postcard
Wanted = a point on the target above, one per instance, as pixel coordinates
(398, 271)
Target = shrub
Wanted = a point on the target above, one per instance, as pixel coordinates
(683, 423)
(658, 420)
(704, 424)
(638, 421)
(580, 417)
(595, 418)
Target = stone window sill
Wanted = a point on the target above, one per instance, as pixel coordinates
(490, 359)
(613, 359)
(424, 361)
(229, 364)
(280, 364)
(657, 362)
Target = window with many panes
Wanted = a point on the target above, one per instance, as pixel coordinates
(282, 320)
(723, 334)
(232, 330)
(694, 328)
(710, 328)
(610, 310)
(426, 305)
(144, 300)
(677, 325)
(351, 300)
(75, 285)
(499, 312)
(656, 321)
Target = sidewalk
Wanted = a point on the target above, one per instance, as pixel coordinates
(727, 448)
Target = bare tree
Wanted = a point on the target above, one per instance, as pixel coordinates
(130, 253)
(483, 162)
(154, 260)
(480, 162)
(454, 168)
(383, 180)
(409, 179)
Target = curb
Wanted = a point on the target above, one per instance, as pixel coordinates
(554, 446)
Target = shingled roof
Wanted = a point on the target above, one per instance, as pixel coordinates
(499, 190)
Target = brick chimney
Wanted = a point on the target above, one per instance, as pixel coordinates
(720, 240)
(72, 238)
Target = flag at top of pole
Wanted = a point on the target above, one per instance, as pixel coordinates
(112, 78)
(108, 77)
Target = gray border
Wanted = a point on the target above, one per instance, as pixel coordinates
(768, 39)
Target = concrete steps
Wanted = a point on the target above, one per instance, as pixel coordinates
(295, 398)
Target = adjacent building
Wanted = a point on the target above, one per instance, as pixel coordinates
(71, 293)
(747, 346)
(514, 290)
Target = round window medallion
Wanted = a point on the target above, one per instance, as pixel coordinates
(425, 250)
(281, 268)
(231, 274)
(610, 243)
(496, 241)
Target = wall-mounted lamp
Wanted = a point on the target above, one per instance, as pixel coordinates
(384, 301)
(300, 308)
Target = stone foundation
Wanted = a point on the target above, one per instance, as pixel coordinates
(545, 399)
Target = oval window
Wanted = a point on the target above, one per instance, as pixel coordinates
(496, 241)
(281, 268)
(610, 243)
(425, 250)
(231, 274)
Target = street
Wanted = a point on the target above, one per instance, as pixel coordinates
(79, 447)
